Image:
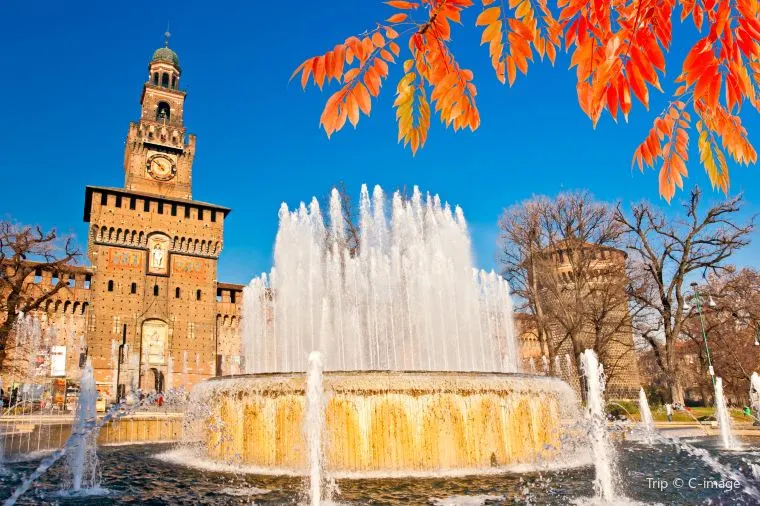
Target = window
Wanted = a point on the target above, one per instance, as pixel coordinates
(54, 280)
(163, 112)
(219, 296)
(174, 82)
(87, 281)
(232, 296)
(200, 214)
(176, 293)
(190, 330)
(155, 290)
(213, 215)
(198, 294)
(110, 285)
(38, 275)
(118, 200)
(174, 210)
(116, 324)
(165, 80)
(187, 212)
(133, 288)
(160, 208)
(132, 203)
(155, 78)
(72, 282)
(146, 205)
(103, 199)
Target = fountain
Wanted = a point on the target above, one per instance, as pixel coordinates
(646, 416)
(724, 418)
(315, 420)
(754, 394)
(82, 458)
(604, 453)
(420, 358)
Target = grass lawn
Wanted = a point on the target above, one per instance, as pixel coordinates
(679, 416)
(631, 409)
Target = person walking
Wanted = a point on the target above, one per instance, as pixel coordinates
(669, 412)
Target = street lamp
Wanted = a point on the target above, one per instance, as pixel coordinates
(698, 303)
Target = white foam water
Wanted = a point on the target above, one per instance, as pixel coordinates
(724, 418)
(409, 299)
(314, 427)
(467, 500)
(82, 457)
(604, 453)
(647, 421)
(244, 491)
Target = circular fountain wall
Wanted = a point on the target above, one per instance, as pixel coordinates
(386, 422)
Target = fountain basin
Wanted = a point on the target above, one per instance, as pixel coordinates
(387, 422)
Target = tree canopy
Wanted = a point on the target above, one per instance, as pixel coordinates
(617, 47)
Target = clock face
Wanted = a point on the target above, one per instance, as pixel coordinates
(161, 167)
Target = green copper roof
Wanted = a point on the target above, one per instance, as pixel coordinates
(167, 55)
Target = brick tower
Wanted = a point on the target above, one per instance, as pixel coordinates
(154, 251)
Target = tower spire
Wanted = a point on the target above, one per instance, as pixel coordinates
(167, 34)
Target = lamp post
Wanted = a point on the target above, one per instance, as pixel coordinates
(698, 303)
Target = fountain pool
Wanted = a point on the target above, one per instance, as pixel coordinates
(381, 423)
(148, 474)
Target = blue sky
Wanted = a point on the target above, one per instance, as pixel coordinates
(73, 72)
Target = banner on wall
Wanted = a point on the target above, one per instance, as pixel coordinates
(57, 361)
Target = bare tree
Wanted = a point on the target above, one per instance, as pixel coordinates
(731, 318)
(522, 238)
(666, 252)
(25, 250)
(350, 217)
(560, 259)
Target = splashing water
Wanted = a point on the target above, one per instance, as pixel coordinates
(314, 422)
(604, 453)
(557, 366)
(724, 419)
(82, 459)
(408, 300)
(116, 412)
(754, 393)
(646, 416)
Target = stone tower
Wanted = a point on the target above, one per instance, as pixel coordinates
(154, 251)
(159, 156)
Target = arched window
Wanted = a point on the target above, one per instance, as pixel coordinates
(174, 82)
(110, 285)
(155, 290)
(163, 112)
(155, 78)
(176, 293)
(133, 288)
(165, 80)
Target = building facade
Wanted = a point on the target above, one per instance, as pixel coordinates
(149, 307)
(602, 319)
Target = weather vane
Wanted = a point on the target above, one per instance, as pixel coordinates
(167, 34)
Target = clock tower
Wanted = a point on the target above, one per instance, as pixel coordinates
(158, 157)
(158, 317)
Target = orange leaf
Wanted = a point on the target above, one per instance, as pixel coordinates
(378, 40)
(488, 16)
(402, 5)
(397, 18)
(363, 98)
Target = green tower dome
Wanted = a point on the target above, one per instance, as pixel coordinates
(167, 55)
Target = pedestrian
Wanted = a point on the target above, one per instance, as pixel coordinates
(669, 412)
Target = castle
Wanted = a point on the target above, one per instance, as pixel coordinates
(149, 306)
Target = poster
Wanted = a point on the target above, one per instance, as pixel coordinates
(57, 361)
